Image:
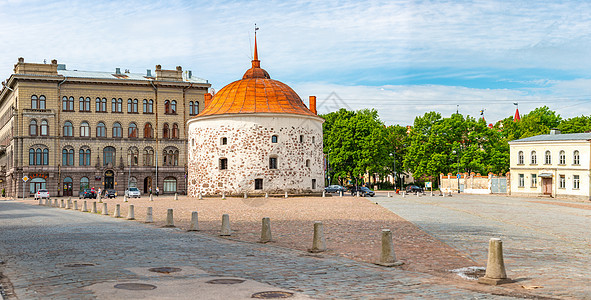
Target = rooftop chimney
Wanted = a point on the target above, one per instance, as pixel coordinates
(313, 104)
(207, 99)
(54, 61)
(118, 71)
(554, 131)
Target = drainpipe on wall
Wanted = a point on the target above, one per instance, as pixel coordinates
(58, 140)
(157, 129)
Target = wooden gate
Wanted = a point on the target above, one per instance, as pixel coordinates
(547, 186)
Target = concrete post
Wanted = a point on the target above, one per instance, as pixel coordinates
(41, 201)
(341, 194)
(131, 213)
(46, 201)
(62, 205)
(266, 231)
(94, 210)
(226, 231)
(75, 204)
(199, 196)
(68, 204)
(223, 195)
(319, 242)
(100, 200)
(323, 194)
(84, 206)
(245, 195)
(176, 196)
(266, 195)
(125, 198)
(357, 195)
(495, 266)
(403, 194)
(117, 213)
(151, 197)
(388, 257)
(149, 218)
(105, 210)
(194, 221)
(389, 195)
(285, 194)
(169, 218)
(55, 203)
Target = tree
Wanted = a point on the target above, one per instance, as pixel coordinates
(575, 125)
(538, 121)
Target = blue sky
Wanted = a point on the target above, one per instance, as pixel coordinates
(403, 58)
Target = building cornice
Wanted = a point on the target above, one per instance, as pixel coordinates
(258, 115)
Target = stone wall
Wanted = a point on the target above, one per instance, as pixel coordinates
(472, 183)
(248, 149)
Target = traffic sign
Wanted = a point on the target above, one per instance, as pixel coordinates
(25, 178)
(459, 176)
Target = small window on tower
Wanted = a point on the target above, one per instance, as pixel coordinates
(307, 163)
(273, 163)
(258, 184)
(223, 163)
(274, 139)
(224, 141)
(301, 138)
(313, 139)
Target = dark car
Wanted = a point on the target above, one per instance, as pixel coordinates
(335, 189)
(111, 193)
(363, 191)
(87, 193)
(414, 189)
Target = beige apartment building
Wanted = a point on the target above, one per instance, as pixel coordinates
(554, 164)
(66, 130)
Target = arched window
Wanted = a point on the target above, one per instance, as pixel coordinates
(576, 157)
(562, 157)
(129, 105)
(68, 129)
(38, 156)
(132, 132)
(34, 102)
(84, 129)
(117, 130)
(165, 131)
(109, 155)
(169, 185)
(68, 156)
(145, 106)
(41, 102)
(31, 157)
(119, 105)
(101, 130)
(33, 127)
(37, 184)
(150, 106)
(98, 104)
(548, 158)
(116, 105)
(45, 160)
(148, 156)
(166, 107)
(84, 156)
(520, 158)
(84, 103)
(84, 183)
(101, 105)
(44, 128)
(132, 156)
(274, 139)
(534, 158)
(148, 131)
(135, 102)
(65, 104)
(81, 104)
(170, 156)
(173, 107)
(175, 131)
(191, 108)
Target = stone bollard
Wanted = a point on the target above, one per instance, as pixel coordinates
(125, 199)
(176, 196)
(266, 231)
(403, 194)
(117, 213)
(68, 205)
(45, 202)
(41, 201)
(323, 194)
(70, 200)
(495, 266)
(389, 195)
(285, 194)
(388, 257)
(62, 204)
(266, 195)
(75, 204)
(357, 195)
(319, 243)
(151, 197)
(55, 203)
(341, 194)
(149, 218)
(131, 213)
(224, 196)
(100, 200)
(94, 210)
(226, 231)
(84, 206)
(245, 195)
(194, 222)
(199, 196)
(431, 193)
(105, 211)
(169, 218)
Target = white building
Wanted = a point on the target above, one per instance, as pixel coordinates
(257, 136)
(552, 164)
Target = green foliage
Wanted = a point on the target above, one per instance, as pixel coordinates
(538, 121)
(576, 125)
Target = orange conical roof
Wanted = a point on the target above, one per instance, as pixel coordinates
(256, 92)
(516, 117)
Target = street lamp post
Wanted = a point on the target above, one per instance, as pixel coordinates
(393, 155)
(458, 168)
(328, 165)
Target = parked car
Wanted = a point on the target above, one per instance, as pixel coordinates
(132, 192)
(42, 194)
(111, 193)
(414, 189)
(335, 189)
(87, 194)
(363, 191)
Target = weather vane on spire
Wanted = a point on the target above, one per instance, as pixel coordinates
(255, 28)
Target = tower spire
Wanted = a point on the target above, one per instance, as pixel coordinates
(256, 63)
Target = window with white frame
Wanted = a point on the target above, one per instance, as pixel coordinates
(576, 157)
(534, 180)
(534, 158)
(548, 158)
(576, 182)
(520, 158)
(562, 182)
(562, 158)
(521, 180)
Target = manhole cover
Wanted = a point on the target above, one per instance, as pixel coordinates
(272, 295)
(470, 273)
(165, 270)
(79, 265)
(135, 286)
(225, 281)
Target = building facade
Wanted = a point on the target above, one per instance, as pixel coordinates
(256, 136)
(554, 164)
(66, 130)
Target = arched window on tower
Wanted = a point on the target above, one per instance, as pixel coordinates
(165, 131)
(175, 131)
(148, 131)
(33, 127)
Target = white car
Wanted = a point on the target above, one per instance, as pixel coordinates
(42, 194)
(132, 192)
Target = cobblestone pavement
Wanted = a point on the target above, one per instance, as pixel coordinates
(40, 244)
(545, 243)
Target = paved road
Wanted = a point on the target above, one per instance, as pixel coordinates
(544, 245)
(39, 244)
